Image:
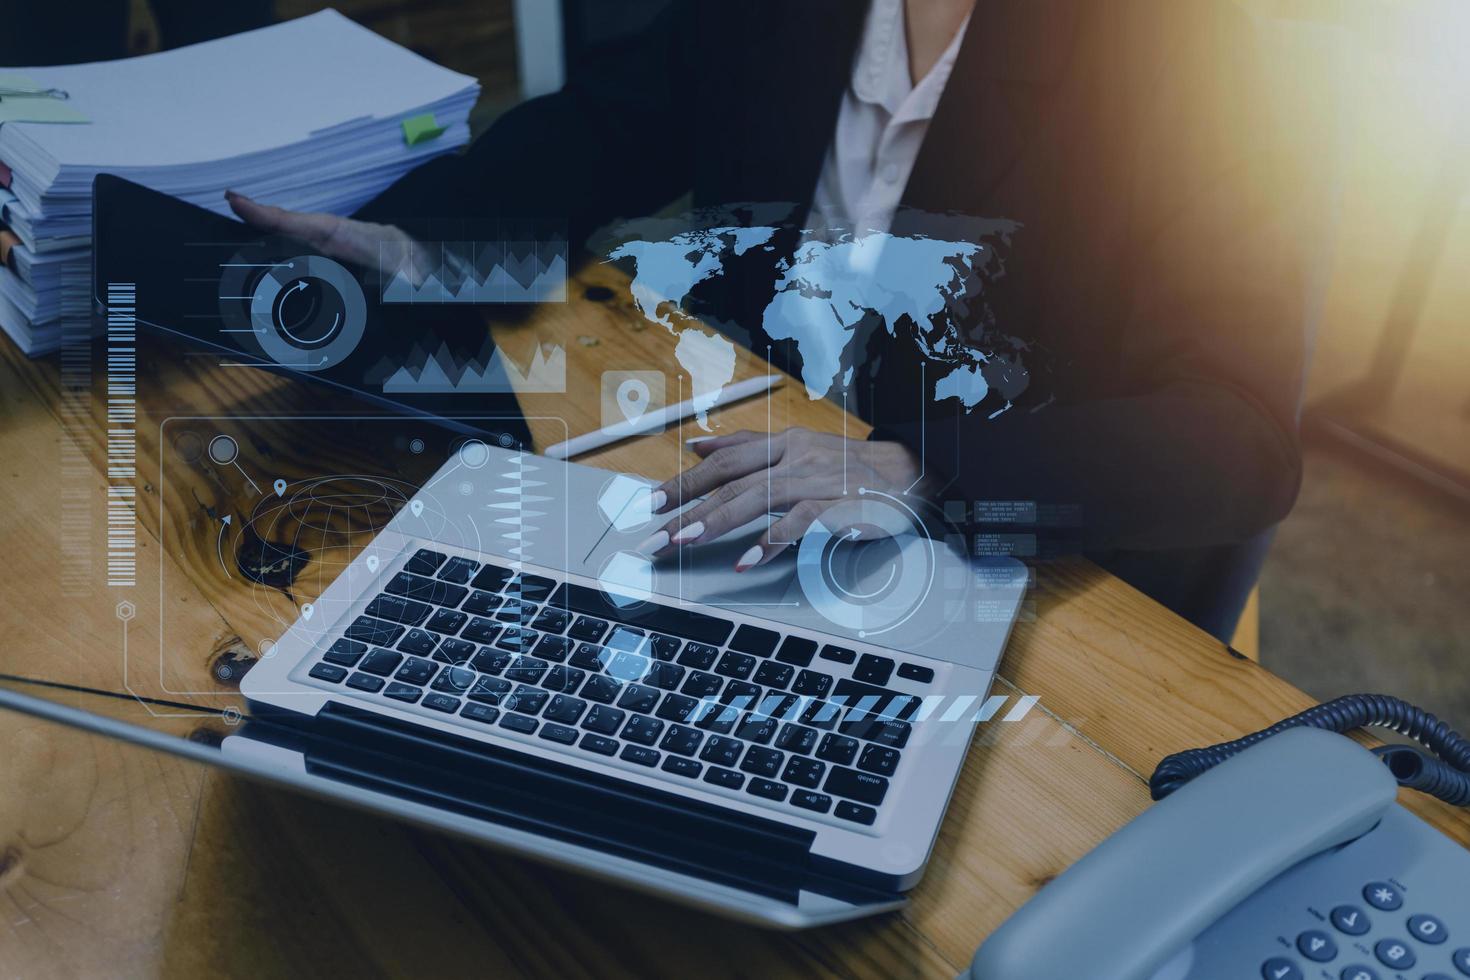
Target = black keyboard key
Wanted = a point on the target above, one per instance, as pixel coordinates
(838, 749)
(675, 707)
(442, 702)
(532, 588)
(446, 621)
(398, 691)
(365, 682)
(856, 813)
(879, 760)
(680, 766)
(757, 729)
(812, 684)
(590, 656)
(553, 648)
(345, 656)
(722, 751)
(873, 669)
(330, 673)
(491, 578)
(894, 734)
(643, 729)
(664, 648)
(526, 670)
(454, 651)
(766, 789)
(738, 665)
(664, 676)
(626, 638)
(482, 603)
(756, 640)
(796, 738)
(517, 639)
(861, 786)
(821, 714)
(588, 629)
(599, 744)
(797, 651)
(454, 680)
(626, 666)
(841, 655)
(808, 800)
(424, 562)
(601, 689)
(604, 719)
(782, 707)
(724, 777)
(373, 631)
(518, 612)
(417, 641)
(415, 671)
(681, 739)
(564, 734)
(772, 674)
(640, 754)
(396, 609)
(489, 661)
(482, 713)
(761, 761)
(804, 772)
(875, 700)
(381, 662)
(638, 698)
(428, 590)
(741, 695)
(527, 700)
(481, 631)
(551, 620)
(715, 717)
(702, 685)
(565, 709)
(519, 723)
(648, 615)
(563, 679)
(458, 570)
(489, 690)
(913, 672)
(700, 656)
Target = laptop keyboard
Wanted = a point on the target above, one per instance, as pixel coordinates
(740, 707)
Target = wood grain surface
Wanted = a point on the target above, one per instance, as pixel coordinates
(119, 862)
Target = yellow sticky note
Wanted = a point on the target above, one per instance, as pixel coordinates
(419, 129)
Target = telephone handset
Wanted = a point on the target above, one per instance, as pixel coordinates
(1289, 861)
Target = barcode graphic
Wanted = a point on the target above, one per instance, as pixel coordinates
(78, 477)
(122, 434)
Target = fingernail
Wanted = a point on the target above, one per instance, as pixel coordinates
(749, 558)
(698, 439)
(656, 501)
(689, 532)
(654, 542)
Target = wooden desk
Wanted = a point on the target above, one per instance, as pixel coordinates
(116, 861)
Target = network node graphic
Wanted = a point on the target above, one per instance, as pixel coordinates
(626, 578)
(624, 503)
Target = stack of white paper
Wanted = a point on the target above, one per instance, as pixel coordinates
(307, 115)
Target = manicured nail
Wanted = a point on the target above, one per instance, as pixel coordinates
(749, 558)
(698, 439)
(656, 501)
(654, 542)
(689, 532)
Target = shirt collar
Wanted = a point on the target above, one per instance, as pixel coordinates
(881, 74)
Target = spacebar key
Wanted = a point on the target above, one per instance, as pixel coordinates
(647, 615)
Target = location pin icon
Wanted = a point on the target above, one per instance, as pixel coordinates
(632, 397)
(306, 610)
(280, 486)
(372, 563)
(417, 506)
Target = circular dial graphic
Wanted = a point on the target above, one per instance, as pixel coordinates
(308, 313)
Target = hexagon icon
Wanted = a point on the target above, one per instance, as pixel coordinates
(627, 578)
(623, 502)
(126, 610)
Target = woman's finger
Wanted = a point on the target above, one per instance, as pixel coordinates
(783, 533)
(333, 236)
(703, 447)
(720, 467)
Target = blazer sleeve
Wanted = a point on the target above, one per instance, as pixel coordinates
(1200, 446)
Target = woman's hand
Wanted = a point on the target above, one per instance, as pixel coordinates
(747, 474)
(360, 243)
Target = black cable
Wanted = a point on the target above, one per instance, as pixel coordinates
(1448, 780)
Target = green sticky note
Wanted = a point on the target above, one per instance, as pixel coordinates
(25, 100)
(420, 129)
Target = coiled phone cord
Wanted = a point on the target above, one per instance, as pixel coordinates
(1446, 777)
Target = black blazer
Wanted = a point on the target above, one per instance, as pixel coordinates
(1159, 271)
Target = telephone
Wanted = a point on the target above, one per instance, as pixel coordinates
(1289, 861)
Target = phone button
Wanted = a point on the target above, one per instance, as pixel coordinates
(1316, 945)
(1461, 959)
(1427, 929)
(1394, 953)
(1383, 896)
(1281, 968)
(1358, 973)
(1351, 920)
